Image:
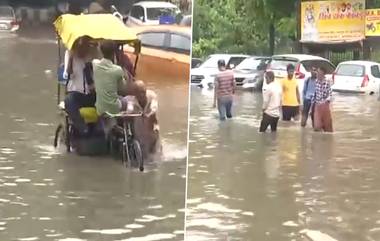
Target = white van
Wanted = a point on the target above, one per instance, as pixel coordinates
(149, 12)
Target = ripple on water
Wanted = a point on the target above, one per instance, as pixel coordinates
(200, 236)
(151, 218)
(315, 235)
(212, 223)
(22, 180)
(152, 237)
(134, 226)
(28, 239)
(215, 207)
(7, 151)
(173, 152)
(107, 231)
(72, 239)
(290, 224)
(155, 207)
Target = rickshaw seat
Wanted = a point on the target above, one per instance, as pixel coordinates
(89, 114)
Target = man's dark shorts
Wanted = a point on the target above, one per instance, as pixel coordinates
(289, 112)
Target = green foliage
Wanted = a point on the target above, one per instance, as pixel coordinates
(231, 26)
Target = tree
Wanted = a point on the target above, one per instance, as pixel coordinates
(274, 15)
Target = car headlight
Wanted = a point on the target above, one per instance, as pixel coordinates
(197, 77)
(252, 79)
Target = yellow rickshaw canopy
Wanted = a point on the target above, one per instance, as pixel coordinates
(97, 26)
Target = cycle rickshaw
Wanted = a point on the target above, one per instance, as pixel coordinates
(98, 27)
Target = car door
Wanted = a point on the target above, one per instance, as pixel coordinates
(179, 55)
(153, 61)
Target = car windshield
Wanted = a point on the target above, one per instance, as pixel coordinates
(156, 13)
(211, 62)
(353, 70)
(249, 64)
(6, 12)
(317, 63)
(281, 64)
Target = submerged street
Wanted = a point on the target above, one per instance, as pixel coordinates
(293, 185)
(47, 194)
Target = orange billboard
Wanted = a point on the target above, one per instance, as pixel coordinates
(333, 21)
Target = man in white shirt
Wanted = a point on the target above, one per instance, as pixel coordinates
(271, 104)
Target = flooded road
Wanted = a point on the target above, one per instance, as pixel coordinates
(293, 185)
(48, 195)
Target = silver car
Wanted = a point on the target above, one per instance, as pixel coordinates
(8, 20)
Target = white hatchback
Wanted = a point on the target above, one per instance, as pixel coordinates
(303, 64)
(357, 77)
(149, 12)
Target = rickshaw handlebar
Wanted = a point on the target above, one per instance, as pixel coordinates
(123, 114)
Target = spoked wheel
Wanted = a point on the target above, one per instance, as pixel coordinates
(68, 134)
(124, 154)
(136, 155)
(58, 136)
(62, 137)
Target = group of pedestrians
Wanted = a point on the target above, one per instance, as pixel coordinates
(282, 99)
(285, 96)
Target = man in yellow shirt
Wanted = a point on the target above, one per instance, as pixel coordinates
(290, 95)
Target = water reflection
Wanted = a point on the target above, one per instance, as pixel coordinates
(296, 184)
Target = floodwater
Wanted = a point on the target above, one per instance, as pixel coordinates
(50, 195)
(294, 185)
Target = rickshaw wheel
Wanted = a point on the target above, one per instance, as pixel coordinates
(124, 154)
(67, 135)
(136, 155)
(62, 137)
(57, 137)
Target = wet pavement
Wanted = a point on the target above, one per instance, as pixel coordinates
(46, 194)
(293, 185)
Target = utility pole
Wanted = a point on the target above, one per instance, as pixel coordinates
(366, 42)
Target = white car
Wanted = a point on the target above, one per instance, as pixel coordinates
(149, 12)
(250, 72)
(8, 20)
(204, 75)
(303, 64)
(357, 77)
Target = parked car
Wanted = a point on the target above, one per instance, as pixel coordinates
(204, 75)
(303, 64)
(8, 20)
(250, 72)
(195, 63)
(165, 53)
(357, 77)
(186, 21)
(149, 12)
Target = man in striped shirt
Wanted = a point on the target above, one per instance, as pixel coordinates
(224, 91)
